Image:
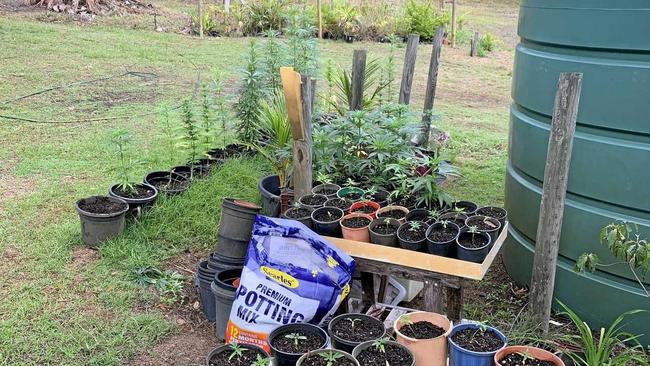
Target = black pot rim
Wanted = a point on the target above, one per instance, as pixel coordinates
(112, 192)
(474, 249)
(489, 217)
(322, 350)
(263, 190)
(438, 224)
(353, 315)
(501, 209)
(410, 241)
(327, 222)
(280, 329)
(124, 210)
(362, 346)
(221, 276)
(465, 201)
(338, 198)
(313, 195)
(311, 209)
(226, 347)
(380, 221)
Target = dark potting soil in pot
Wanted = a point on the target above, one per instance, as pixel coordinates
(320, 360)
(379, 196)
(441, 234)
(520, 359)
(327, 191)
(483, 225)
(414, 234)
(339, 203)
(248, 357)
(353, 196)
(408, 201)
(422, 330)
(138, 192)
(101, 205)
(396, 356)
(459, 221)
(495, 212)
(313, 200)
(164, 184)
(466, 207)
(297, 213)
(327, 215)
(475, 340)
(361, 331)
(286, 343)
(366, 209)
(419, 216)
(385, 229)
(356, 222)
(394, 214)
(472, 241)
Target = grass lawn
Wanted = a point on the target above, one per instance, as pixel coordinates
(61, 304)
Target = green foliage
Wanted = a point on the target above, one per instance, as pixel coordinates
(237, 351)
(217, 22)
(261, 361)
(421, 17)
(222, 112)
(274, 58)
(380, 344)
(372, 88)
(340, 19)
(302, 47)
(168, 284)
(613, 347)
(250, 94)
(207, 117)
(330, 357)
(296, 338)
(121, 141)
(189, 140)
(168, 130)
(264, 15)
(328, 98)
(486, 44)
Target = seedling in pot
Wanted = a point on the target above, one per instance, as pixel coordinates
(330, 357)
(121, 140)
(380, 344)
(405, 320)
(296, 337)
(237, 350)
(324, 178)
(444, 223)
(353, 322)
(473, 230)
(434, 214)
(459, 210)
(261, 361)
(415, 226)
(526, 357)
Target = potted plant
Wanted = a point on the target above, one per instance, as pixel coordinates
(383, 352)
(167, 182)
(299, 213)
(498, 213)
(393, 212)
(238, 355)
(289, 342)
(425, 334)
(384, 231)
(412, 235)
(472, 245)
(349, 330)
(326, 221)
(485, 224)
(526, 356)
(327, 357)
(327, 187)
(365, 207)
(474, 344)
(313, 200)
(419, 214)
(354, 226)
(466, 207)
(101, 218)
(137, 195)
(456, 217)
(441, 238)
(380, 196)
(350, 193)
(189, 141)
(341, 203)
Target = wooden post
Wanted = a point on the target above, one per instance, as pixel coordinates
(201, 18)
(409, 68)
(226, 6)
(320, 19)
(453, 23)
(358, 78)
(430, 96)
(474, 46)
(551, 212)
(302, 160)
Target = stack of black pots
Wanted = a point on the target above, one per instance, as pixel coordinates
(217, 277)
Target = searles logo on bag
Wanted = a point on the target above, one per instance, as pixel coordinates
(280, 277)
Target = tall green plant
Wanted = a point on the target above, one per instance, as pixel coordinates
(275, 129)
(274, 58)
(222, 112)
(251, 92)
(121, 141)
(207, 117)
(168, 130)
(302, 47)
(190, 136)
(372, 88)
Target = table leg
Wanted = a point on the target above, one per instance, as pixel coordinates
(368, 287)
(381, 296)
(432, 296)
(455, 303)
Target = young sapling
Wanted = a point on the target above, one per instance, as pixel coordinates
(331, 357)
(296, 338)
(237, 351)
(121, 140)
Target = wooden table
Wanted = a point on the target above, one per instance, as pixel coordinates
(435, 271)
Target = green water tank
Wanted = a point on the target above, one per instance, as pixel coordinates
(609, 180)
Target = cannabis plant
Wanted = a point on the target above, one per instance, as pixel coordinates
(273, 57)
(221, 111)
(302, 47)
(189, 140)
(168, 130)
(121, 141)
(251, 92)
(207, 118)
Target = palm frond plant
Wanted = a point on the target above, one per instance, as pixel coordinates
(372, 87)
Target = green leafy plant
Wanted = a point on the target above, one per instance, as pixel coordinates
(168, 130)
(168, 284)
(330, 357)
(303, 51)
(486, 44)
(380, 344)
(415, 225)
(296, 338)
(372, 87)
(405, 320)
(261, 361)
(236, 351)
(222, 113)
(189, 140)
(121, 141)
(601, 351)
(353, 322)
(274, 58)
(251, 93)
(264, 15)
(207, 118)
(421, 17)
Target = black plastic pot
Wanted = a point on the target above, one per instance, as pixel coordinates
(97, 227)
(415, 214)
(306, 220)
(445, 249)
(319, 196)
(389, 240)
(468, 206)
(456, 218)
(290, 359)
(502, 215)
(328, 228)
(218, 153)
(336, 199)
(161, 178)
(199, 171)
(365, 345)
(204, 278)
(220, 263)
(476, 255)
(269, 188)
(224, 294)
(226, 348)
(136, 205)
(381, 197)
(321, 188)
(209, 163)
(318, 354)
(346, 345)
(235, 228)
(494, 233)
(418, 246)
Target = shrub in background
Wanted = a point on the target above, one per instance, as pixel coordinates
(262, 15)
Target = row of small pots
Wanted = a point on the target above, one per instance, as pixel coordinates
(103, 217)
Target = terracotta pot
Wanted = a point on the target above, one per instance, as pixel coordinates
(357, 205)
(535, 352)
(393, 207)
(358, 234)
(429, 352)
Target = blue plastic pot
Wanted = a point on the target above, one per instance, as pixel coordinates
(461, 357)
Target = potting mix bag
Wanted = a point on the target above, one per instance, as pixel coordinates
(291, 275)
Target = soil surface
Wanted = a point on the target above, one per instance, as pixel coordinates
(339, 203)
(313, 200)
(102, 205)
(422, 330)
(379, 196)
(363, 330)
(466, 206)
(441, 234)
(477, 341)
(164, 184)
(297, 213)
(366, 209)
(411, 234)
(520, 359)
(327, 215)
(458, 221)
(327, 191)
(408, 201)
(353, 196)
(385, 229)
(394, 356)
(472, 241)
(320, 360)
(418, 216)
(482, 225)
(496, 212)
(288, 345)
(356, 222)
(248, 357)
(394, 214)
(138, 192)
